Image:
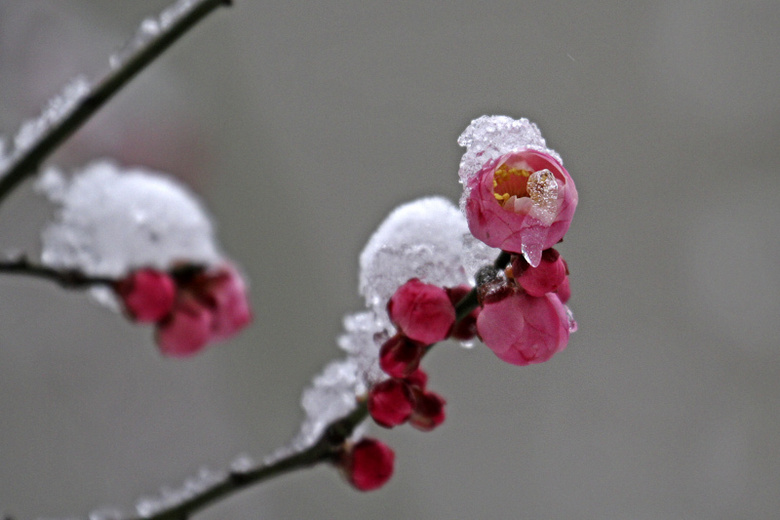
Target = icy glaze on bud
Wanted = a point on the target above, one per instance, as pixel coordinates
(390, 402)
(368, 465)
(147, 294)
(421, 311)
(522, 202)
(522, 329)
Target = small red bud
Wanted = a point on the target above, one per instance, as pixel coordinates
(428, 411)
(390, 402)
(147, 294)
(422, 311)
(368, 465)
(399, 356)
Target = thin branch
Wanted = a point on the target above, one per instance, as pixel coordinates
(68, 278)
(326, 449)
(27, 162)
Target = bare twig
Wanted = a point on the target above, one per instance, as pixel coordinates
(27, 161)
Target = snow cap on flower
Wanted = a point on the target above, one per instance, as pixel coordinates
(530, 218)
(390, 402)
(147, 294)
(522, 329)
(368, 465)
(422, 312)
(110, 220)
(427, 239)
(548, 276)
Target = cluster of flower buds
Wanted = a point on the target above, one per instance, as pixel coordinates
(191, 306)
(523, 202)
(424, 314)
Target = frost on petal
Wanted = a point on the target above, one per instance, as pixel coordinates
(331, 396)
(421, 239)
(110, 221)
(489, 137)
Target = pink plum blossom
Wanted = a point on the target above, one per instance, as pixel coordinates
(546, 277)
(147, 294)
(368, 465)
(522, 329)
(422, 312)
(521, 202)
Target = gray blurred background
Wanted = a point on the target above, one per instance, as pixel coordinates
(302, 124)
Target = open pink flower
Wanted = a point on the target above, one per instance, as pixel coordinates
(521, 202)
(522, 329)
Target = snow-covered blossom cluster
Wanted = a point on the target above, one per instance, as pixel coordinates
(153, 237)
(420, 268)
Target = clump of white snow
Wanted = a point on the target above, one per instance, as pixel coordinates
(490, 137)
(421, 239)
(110, 221)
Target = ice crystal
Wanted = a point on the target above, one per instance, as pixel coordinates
(56, 109)
(171, 497)
(422, 239)
(490, 137)
(364, 334)
(110, 221)
(149, 29)
(331, 396)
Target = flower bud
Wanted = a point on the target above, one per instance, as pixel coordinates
(368, 465)
(147, 294)
(421, 311)
(546, 277)
(428, 411)
(186, 330)
(390, 402)
(223, 293)
(523, 329)
(399, 356)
